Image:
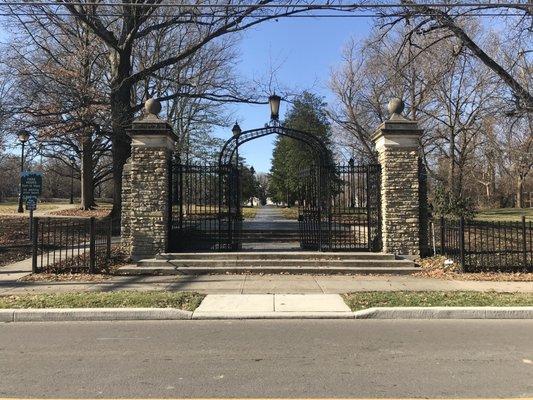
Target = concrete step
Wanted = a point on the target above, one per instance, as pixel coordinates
(274, 263)
(276, 255)
(182, 265)
(269, 239)
(198, 270)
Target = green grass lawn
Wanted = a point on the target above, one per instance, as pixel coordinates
(362, 300)
(505, 214)
(124, 299)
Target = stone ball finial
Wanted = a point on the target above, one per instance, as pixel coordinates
(395, 106)
(152, 106)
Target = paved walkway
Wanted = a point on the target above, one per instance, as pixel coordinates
(252, 284)
(270, 218)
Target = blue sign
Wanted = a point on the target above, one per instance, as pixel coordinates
(31, 203)
(31, 183)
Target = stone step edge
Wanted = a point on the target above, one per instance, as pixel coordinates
(272, 256)
(259, 262)
(302, 252)
(144, 314)
(265, 270)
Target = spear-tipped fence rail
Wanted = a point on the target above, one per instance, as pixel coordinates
(478, 246)
(71, 244)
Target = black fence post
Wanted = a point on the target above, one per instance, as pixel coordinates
(108, 239)
(462, 242)
(92, 247)
(442, 236)
(34, 245)
(524, 241)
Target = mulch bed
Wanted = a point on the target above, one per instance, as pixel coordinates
(15, 244)
(434, 267)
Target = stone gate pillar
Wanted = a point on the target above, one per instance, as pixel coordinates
(145, 192)
(397, 144)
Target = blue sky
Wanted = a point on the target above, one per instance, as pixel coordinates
(306, 49)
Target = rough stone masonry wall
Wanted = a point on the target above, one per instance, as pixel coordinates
(400, 200)
(149, 198)
(125, 220)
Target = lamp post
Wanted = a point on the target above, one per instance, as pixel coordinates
(236, 130)
(252, 172)
(72, 161)
(351, 172)
(23, 137)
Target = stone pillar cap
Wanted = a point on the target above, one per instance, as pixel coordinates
(150, 124)
(395, 108)
(397, 124)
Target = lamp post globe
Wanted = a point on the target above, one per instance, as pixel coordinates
(274, 102)
(236, 130)
(23, 137)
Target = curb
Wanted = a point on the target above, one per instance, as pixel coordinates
(93, 314)
(159, 314)
(445, 313)
(274, 315)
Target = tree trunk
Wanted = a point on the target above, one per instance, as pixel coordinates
(121, 120)
(87, 174)
(451, 173)
(519, 190)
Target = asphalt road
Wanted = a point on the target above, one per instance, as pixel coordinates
(267, 359)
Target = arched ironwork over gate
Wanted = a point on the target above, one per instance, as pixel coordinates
(338, 205)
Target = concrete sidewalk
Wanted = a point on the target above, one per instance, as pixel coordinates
(244, 306)
(253, 284)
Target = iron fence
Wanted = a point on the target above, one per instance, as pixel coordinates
(478, 246)
(71, 244)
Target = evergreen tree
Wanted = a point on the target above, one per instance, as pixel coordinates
(291, 156)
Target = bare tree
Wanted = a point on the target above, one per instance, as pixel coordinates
(422, 19)
(122, 27)
(516, 148)
(61, 96)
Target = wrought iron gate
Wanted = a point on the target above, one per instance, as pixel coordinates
(339, 208)
(206, 213)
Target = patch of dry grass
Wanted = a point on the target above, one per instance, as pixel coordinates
(362, 300)
(122, 299)
(290, 213)
(12, 207)
(249, 212)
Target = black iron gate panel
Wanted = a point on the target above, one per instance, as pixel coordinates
(339, 208)
(354, 210)
(204, 208)
(230, 208)
(309, 210)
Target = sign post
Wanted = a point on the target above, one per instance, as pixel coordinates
(31, 205)
(31, 184)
